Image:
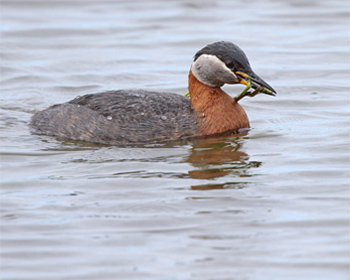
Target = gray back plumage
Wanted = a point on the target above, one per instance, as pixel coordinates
(119, 117)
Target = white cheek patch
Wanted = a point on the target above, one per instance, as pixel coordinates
(211, 71)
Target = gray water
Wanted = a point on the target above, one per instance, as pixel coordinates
(272, 203)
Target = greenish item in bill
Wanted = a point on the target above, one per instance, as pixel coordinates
(246, 91)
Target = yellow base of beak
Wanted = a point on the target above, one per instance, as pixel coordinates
(243, 82)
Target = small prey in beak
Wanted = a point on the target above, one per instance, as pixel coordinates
(255, 82)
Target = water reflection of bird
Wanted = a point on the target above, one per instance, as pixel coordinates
(129, 116)
(219, 157)
(216, 158)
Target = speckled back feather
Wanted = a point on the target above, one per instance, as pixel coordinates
(120, 117)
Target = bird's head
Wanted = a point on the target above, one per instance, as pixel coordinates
(222, 63)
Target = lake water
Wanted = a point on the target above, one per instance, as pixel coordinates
(272, 203)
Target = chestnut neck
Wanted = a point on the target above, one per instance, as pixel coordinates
(217, 111)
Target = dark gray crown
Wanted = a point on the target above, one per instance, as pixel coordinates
(229, 53)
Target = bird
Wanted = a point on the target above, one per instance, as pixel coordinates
(119, 117)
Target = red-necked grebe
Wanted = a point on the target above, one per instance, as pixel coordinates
(138, 116)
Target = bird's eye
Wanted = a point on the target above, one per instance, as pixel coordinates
(230, 65)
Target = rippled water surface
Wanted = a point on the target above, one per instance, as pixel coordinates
(272, 203)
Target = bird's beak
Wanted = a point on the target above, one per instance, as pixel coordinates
(255, 82)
